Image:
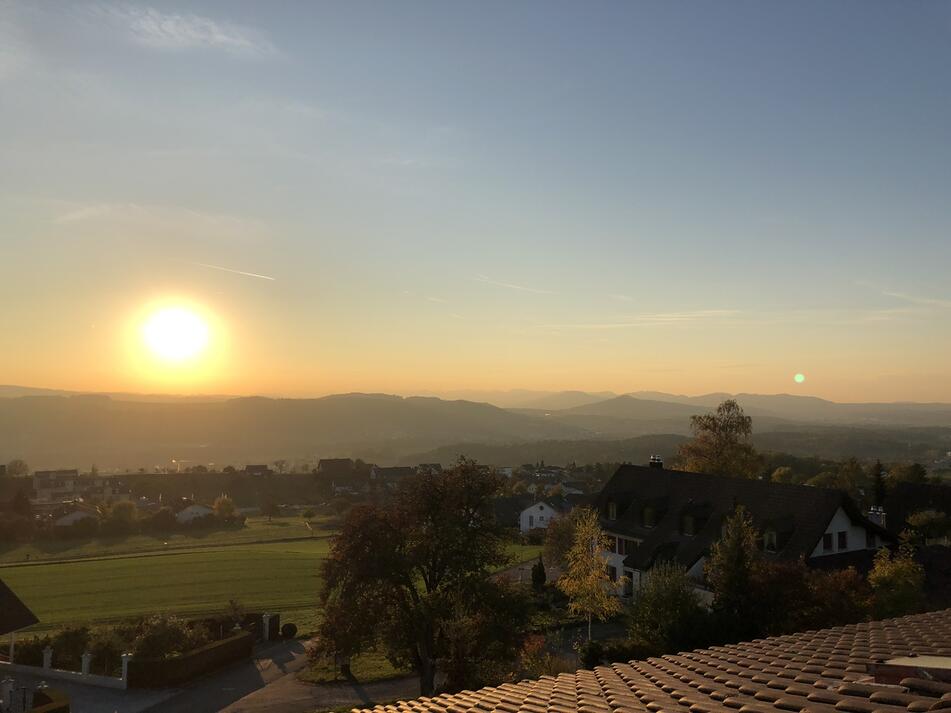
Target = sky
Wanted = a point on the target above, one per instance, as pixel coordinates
(426, 196)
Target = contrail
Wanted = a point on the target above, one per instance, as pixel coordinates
(233, 272)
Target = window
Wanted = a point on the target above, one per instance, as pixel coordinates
(541, 507)
(827, 542)
(869, 539)
(612, 510)
(688, 525)
(648, 517)
(531, 521)
(843, 540)
(769, 541)
(612, 573)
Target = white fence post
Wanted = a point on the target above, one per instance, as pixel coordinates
(87, 660)
(47, 657)
(125, 667)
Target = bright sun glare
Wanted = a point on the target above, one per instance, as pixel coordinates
(175, 334)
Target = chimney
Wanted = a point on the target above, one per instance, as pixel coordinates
(876, 514)
(656, 462)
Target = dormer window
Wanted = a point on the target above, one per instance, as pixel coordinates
(769, 541)
(689, 525)
(648, 516)
(612, 510)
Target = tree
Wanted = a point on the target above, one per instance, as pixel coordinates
(119, 518)
(897, 583)
(783, 474)
(721, 443)
(585, 580)
(929, 524)
(908, 473)
(281, 465)
(21, 504)
(729, 572)
(666, 613)
(18, 467)
(538, 575)
(224, 507)
(559, 537)
(415, 573)
(877, 476)
(271, 509)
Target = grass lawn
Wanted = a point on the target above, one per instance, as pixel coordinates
(277, 576)
(366, 668)
(257, 529)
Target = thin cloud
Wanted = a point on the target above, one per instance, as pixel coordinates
(918, 300)
(649, 320)
(152, 28)
(512, 286)
(234, 272)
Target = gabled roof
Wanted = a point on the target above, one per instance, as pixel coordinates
(14, 614)
(826, 670)
(797, 513)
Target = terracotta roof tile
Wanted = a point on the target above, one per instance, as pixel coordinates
(823, 671)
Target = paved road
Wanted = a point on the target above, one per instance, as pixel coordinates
(219, 690)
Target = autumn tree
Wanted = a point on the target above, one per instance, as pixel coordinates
(585, 581)
(224, 507)
(559, 537)
(415, 573)
(897, 582)
(721, 443)
(908, 473)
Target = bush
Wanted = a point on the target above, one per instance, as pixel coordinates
(165, 636)
(107, 647)
(666, 613)
(289, 631)
(29, 652)
(162, 520)
(538, 575)
(69, 646)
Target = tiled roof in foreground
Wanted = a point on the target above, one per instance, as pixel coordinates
(822, 671)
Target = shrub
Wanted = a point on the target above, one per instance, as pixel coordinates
(29, 652)
(107, 647)
(538, 575)
(165, 636)
(666, 613)
(289, 631)
(69, 646)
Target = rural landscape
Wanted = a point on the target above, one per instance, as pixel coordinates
(426, 357)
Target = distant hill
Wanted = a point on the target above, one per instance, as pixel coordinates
(57, 431)
(13, 392)
(528, 399)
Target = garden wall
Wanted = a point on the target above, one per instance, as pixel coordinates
(163, 673)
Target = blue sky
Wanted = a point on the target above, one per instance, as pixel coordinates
(682, 196)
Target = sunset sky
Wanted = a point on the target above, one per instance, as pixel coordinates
(430, 196)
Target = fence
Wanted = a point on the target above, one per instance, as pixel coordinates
(162, 673)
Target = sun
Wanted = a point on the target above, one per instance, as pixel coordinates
(175, 334)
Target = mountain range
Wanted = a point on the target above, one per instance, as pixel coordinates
(62, 429)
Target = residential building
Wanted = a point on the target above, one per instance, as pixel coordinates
(193, 512)
(391, 476)
(258, 469)
(891, 666)
(538, 516)
(654, 515)
(57, 486)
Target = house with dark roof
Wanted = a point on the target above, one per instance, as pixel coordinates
(14, 614)
(654, 515)
(257, 469)
(391, 476)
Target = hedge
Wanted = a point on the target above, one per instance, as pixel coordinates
(163, 673)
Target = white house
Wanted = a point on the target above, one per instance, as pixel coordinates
(655, 515)
(192, 513)
(537, 516)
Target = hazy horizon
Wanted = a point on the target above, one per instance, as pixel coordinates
(223, 197)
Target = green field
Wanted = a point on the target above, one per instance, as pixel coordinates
(256, 529)
(276, 576)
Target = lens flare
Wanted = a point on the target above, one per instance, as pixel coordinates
(799, 378)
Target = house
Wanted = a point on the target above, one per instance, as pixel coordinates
(56, 486)
(508, 508)
(336, 467)
(193, 512)
(890, 666)
(653, 515)
(72, 516)
(14, 614)
(537, 516)
(429, 468)
(391, 475)
(258, 469)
